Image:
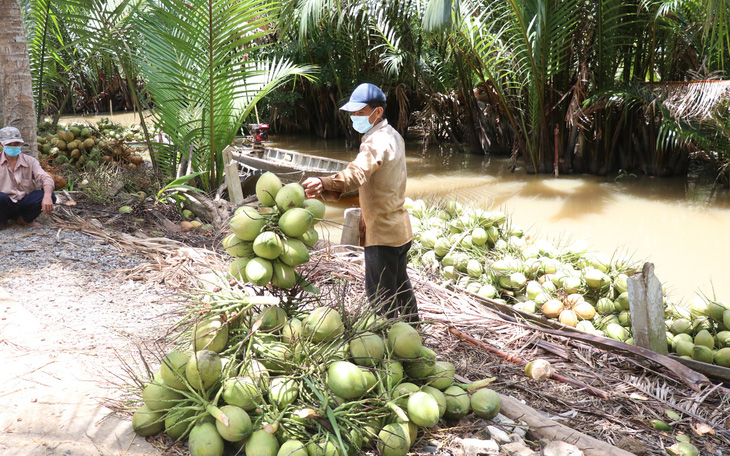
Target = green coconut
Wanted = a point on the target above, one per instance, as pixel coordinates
(294, 252)
(204, 440)
(158, 396)
(274, 355)
(726, 319)
(422, 366)
(680, 325)
(146, 421)
(705, 338)
(261, 443)
(394, 440)
(267, 245)
(323, 325)
(474, 268)
(310, 237)
(723, 339)
(596, 279)
(292, 330)
(247, 224)
(210, 334)
(259, 271)
(239, 424)
(684, 347)
(392, 373)
(237, 269)
(622, 302)
(617, 332)
(703, 354)
(267, 187)
(687, 449)
(439, 396)
(403, 392)
(284, 276)
(271, 317)
(346, 380)
(172, 369)
(178, 422)
(442, 375)
(404, 341)
(442, 246)
(315, 206)
(292, 448)
(242, 392)
(237, 247)
(323, 447)
(283, 391)
(296, 221)
(485, 403)
(367, 349)
(203, 369)
(290, 196)
(722, 357)
(423, 409)
(457, 403)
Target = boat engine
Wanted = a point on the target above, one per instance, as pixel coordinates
(259, 134)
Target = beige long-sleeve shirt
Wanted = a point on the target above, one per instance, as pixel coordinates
(27, 175)
(379, 171)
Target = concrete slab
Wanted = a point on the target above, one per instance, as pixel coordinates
(50, 397)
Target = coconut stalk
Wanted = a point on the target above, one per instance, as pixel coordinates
(509, 357)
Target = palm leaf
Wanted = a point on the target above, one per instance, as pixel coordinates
(195, 60)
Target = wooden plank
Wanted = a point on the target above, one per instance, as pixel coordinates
(351, 228)
(646, 303)
(233, 182)
(542, 427)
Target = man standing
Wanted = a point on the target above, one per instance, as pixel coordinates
(19, 176)
(379, 171)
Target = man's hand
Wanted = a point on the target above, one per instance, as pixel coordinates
(313, 187)
(47, 204)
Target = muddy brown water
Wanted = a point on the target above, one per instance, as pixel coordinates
(679, 224)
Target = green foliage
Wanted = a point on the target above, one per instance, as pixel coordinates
(195, 58)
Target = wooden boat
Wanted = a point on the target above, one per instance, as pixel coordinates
(289, 165)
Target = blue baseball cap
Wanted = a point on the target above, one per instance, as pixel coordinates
(362, 95)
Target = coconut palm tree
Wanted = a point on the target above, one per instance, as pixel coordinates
(15, 80)
(200, 73)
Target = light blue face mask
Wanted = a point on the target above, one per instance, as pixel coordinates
(361, 124)
(12, 151)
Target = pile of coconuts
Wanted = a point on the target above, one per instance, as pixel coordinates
(271, 239)
(85, 146)
(281, 373)
(483, 252)
(270, 378)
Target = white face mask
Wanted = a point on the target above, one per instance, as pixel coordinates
(361, 124)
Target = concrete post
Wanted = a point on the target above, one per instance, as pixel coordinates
(646, 303)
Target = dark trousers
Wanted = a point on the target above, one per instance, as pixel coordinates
(29, 207)
(387, 282)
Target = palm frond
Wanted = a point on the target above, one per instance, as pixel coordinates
(694, 100)
(195, 58)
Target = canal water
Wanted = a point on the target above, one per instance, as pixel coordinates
(679, 224)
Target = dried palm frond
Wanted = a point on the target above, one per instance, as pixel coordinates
(692, 100)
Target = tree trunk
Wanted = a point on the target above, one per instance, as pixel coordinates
(16, 83)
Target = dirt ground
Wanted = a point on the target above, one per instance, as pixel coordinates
(66, 320)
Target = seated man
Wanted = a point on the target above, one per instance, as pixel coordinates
(19, 176)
